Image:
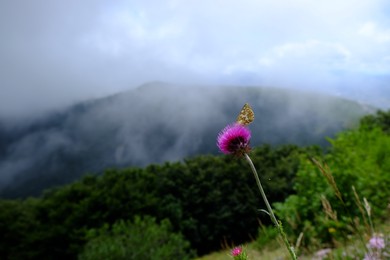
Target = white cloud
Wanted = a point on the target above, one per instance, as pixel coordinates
(371, 30)
(313, 50)
(59, 52)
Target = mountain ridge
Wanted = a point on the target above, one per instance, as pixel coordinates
(159, 122)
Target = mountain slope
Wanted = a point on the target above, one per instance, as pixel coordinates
(154, 123)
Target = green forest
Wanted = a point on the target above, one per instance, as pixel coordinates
(180, 210)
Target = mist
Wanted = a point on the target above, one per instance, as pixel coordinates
(55, 54)
(70, 77)
(157, 123)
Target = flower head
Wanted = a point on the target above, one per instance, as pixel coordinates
(377, 242)
(321, 254)
(372, 256)
(234, 139)
(236, 251)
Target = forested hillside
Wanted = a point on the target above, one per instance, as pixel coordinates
(353, 175)
(156, 123)
(197, 205)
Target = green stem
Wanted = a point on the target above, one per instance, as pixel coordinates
(270, 211)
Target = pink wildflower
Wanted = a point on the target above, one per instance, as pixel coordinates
(234, 139)
(372, 256)
(236, 251)
(377, 242)
(321, 254)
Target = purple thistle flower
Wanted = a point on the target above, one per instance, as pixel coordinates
(234, 139)
(236, 251)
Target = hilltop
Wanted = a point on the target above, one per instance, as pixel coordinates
(158, 122)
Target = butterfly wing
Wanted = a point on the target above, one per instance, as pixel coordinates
(246, 115)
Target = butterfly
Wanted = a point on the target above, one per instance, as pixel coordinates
(246, 115)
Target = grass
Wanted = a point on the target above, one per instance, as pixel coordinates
(265, 254)
(274, 252)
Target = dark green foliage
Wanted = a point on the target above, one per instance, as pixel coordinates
(380, 120)
(18, 227)
(140, 239)
(209, 199)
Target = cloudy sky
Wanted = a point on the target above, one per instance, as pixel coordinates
(54, 53)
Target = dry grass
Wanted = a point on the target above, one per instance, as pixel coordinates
(280, 253)
(266, 254)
